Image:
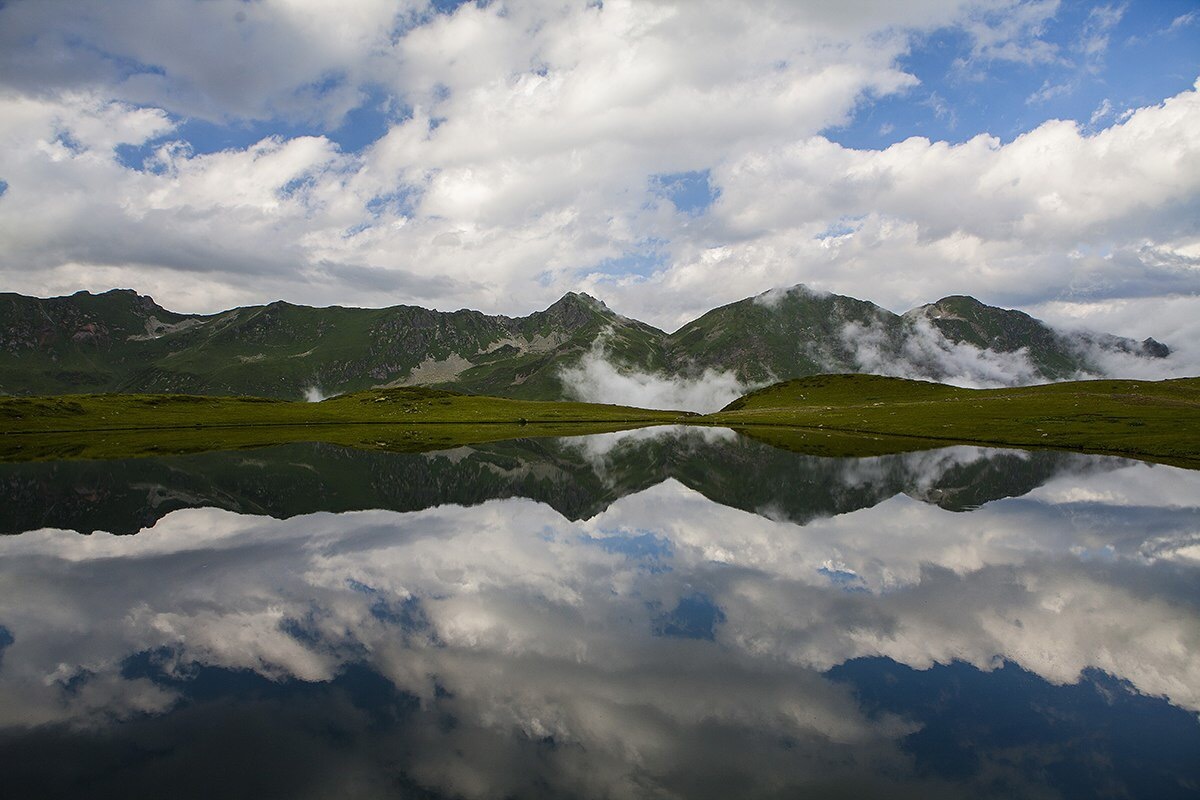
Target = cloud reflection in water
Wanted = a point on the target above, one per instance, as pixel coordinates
(667, 645)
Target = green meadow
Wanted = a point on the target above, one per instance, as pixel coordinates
(405, 419)
(1150, 420)
(836, 415)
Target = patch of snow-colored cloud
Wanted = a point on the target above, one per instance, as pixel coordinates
(597, 379)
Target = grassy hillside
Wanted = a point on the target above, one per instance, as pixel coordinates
(839, 415)
(1158, 420)
(115, 425)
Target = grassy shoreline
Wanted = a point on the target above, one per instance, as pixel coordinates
(407, 406)
(404, 420)
(822, 415)
(1151, 420)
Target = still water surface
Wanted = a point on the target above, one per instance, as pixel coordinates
(664, 613)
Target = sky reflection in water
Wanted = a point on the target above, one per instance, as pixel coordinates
(673, 614)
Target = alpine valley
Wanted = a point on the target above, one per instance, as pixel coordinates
(120, 341)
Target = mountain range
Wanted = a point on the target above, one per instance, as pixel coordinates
(120, 341)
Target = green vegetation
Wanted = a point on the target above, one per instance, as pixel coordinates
(829, 415)
(1151, 420)
(406, 419)
(120, 341)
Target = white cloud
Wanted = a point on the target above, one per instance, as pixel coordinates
(982, 217)
(1183, 21)
(928, 355)
(1174, 319)
(1000, 32)
(529, 156)
(1102, 112)
(1097, 30)
(1049, 91)
(300, 59)
(597, 379)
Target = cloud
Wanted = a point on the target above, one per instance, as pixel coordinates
(597, 379)
(1170, 319)
(519, 152)
(772, 298)
(1183, 21)
(926, 354)
(1001, 221)
(1009, 33)
(297, 60)
(1097, 31)
(1102, 112)
(1049, 91)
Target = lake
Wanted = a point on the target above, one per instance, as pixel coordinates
(659, 613)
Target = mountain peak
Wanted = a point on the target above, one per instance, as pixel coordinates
(581, 297)
(964, 307)
(579, 301)
(772, 298)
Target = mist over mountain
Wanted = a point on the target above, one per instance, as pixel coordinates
(120, 341)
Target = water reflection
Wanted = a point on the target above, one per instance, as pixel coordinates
(640, 616)
(578, 477)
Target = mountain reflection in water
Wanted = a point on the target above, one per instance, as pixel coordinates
(661, 613)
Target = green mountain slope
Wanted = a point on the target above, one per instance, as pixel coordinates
(1056, 355)
(121, 341)
(795, 333)
(778, 335)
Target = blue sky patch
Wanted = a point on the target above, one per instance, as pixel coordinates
(369, 121)
(1107, 59)
(401, 202)
(449, 6)
(643, 263)
(842, 227)
(690, 192)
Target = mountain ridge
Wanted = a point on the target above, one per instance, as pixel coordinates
(123, 341)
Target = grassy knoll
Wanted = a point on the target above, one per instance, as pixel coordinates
(410, 419)
(1153, 420)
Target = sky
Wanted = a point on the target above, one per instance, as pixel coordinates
(665, 157)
